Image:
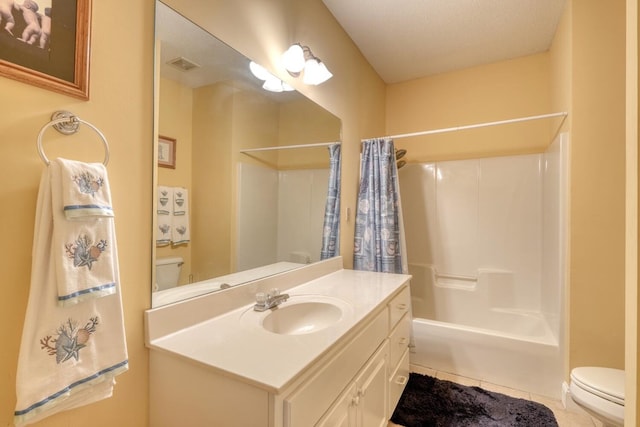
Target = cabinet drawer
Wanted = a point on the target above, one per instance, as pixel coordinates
(399, 306)
(398, 381)
(399, 340)
(305, 405)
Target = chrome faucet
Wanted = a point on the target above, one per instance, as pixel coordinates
(269, 300)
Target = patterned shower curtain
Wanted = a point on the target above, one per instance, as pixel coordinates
(331, 228)
(378, 244)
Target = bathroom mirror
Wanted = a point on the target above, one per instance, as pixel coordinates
(250, 213)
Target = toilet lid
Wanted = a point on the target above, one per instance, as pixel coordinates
(607, 383)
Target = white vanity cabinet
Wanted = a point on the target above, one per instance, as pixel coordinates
(364, 403)
(355, 381)
(399, 340)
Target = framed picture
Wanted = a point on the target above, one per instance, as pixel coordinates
(166, 152)
(45, 43)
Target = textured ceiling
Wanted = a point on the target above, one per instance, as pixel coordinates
(407, 39)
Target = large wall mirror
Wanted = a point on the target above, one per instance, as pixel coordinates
(231, 208)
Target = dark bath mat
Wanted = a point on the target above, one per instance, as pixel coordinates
(430, 402)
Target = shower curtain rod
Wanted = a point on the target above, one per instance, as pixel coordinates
(479, 125)
(285, 147)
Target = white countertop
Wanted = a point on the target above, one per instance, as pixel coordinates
(272, 361)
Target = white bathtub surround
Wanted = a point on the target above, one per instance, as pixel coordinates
(486, 248)
(211, 359)
(281, 214)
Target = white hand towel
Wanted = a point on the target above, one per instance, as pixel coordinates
(82, 248)
(165, 200)
(180, 201)
(85, 189)
(180, 233)
(180, 230)
(69, 356)
(163, 231)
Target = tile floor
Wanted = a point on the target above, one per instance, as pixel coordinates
(565, 417)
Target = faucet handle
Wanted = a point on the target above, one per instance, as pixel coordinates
(261, 298)
(273, 292)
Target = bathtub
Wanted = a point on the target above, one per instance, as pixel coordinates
(524, 355)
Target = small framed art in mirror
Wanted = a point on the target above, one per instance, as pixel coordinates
(166, 152)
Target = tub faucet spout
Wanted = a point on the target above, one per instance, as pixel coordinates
(271, 299)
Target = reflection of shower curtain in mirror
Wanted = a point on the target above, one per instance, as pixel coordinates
(331, 228)
(378, 243)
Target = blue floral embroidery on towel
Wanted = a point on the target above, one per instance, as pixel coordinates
(84, 252)
(69, 340)
(181, 229)
(88, 184)
(164, 199)
(179, 199)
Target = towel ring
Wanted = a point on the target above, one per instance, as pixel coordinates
(68, 124)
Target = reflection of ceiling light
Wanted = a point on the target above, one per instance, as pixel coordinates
(298, 59)
(259, 71)
(272, 85)
(183, 63)
(271, 82)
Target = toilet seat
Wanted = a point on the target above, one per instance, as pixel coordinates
(600, 391)
(606, 383)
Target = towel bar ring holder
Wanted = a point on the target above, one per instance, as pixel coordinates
(68, 124)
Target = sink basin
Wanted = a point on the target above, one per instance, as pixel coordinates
(300, 315)
(302, 318)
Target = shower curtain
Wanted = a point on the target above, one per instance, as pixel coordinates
(331, 228)
(379, 241)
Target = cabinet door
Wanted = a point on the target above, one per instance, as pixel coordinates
(372, 391)
(343, 412)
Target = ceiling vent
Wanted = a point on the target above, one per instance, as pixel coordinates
(183, 64)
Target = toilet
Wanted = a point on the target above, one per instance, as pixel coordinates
(600, 392)
(168, 272)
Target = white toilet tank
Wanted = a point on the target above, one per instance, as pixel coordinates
(168, 272)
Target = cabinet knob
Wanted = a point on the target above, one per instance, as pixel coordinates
(403, 341)
(402, 306)
(355, 401)
(401, 380)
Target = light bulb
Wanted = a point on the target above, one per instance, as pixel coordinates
(259, 71)
(293, 59)
(273, 84)
(323, 73)
(311, 71)
(315, 72)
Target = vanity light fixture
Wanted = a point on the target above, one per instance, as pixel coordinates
(271, 82)
(298, 59)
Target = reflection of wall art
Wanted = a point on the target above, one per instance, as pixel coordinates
(166, 152)
(46, 43)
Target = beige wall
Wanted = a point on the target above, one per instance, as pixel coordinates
(212, 133)
(631, 261)
(487, 93)
(304, 122)
(121, 106)
(175, 117)
(596, 301)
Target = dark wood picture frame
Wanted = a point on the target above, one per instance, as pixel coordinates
(166, 152)
(47, 46)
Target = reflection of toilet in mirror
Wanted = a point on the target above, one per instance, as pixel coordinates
(599, 391)
(167, 272)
